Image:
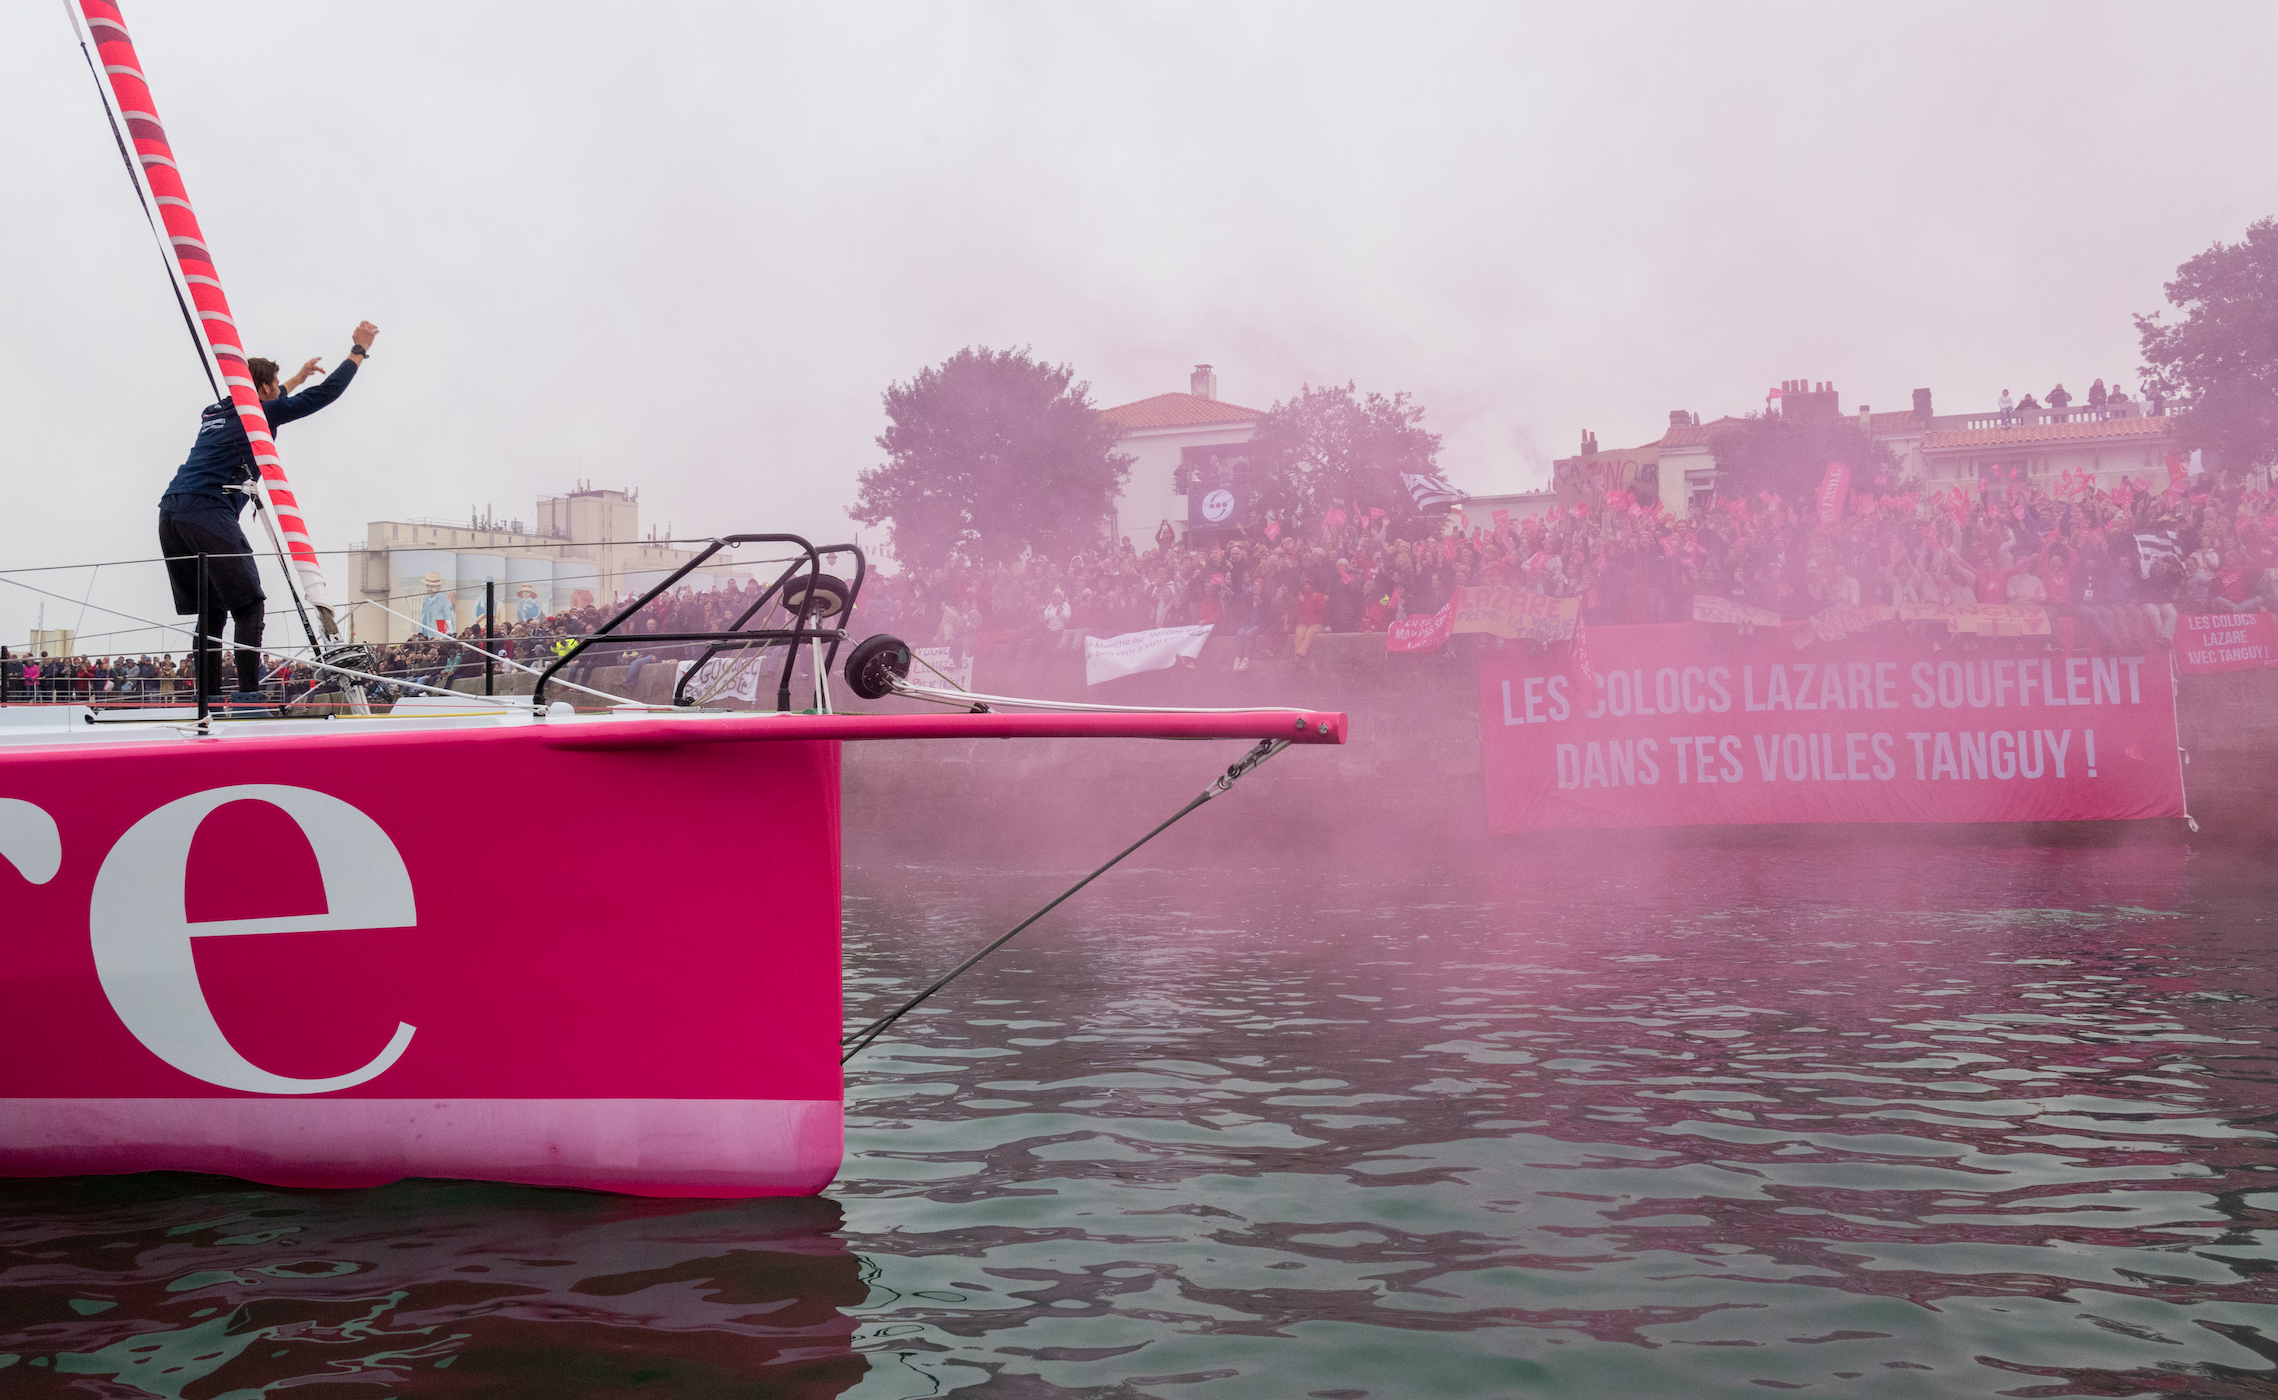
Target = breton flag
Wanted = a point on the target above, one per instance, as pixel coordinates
(1431, 492)
(2150, 549)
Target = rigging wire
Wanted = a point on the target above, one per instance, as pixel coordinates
(192, 634)
(134, 177)
(505, 660)
(550, 544)
(862, 1039)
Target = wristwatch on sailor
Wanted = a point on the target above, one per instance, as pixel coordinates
(363, 350)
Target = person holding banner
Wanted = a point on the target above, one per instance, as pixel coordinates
(198, 514)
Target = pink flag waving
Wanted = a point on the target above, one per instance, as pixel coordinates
(1833, 487)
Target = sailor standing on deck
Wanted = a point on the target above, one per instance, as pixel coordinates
(198, 513)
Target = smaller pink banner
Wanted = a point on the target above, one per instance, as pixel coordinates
(1420, 632)
(1833, 487)
(2225, 642)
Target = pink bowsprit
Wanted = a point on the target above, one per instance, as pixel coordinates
(597, 951)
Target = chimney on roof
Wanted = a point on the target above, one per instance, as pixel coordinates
(1922, 404)
(1204, 383)
(1679, 418)
(1809, 398)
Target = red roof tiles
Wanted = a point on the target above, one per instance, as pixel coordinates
(2026, 434)
(1691, 436)
(1178, 411)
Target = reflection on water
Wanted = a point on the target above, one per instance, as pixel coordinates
(1875, 1122)
(194, 1287)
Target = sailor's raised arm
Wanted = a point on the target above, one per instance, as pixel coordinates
(287, 407)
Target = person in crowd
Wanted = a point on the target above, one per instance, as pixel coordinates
(2096, 395)
(2008, 409)
(1240, 608)
(1312, 617)
(2160, 576)
(2058, 398)
(2195, 594)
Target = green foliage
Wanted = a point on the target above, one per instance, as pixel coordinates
(1331, 446)
(991, 454)
(1787, 454)
(2220, 362)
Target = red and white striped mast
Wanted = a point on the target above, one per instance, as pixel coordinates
(197, 283)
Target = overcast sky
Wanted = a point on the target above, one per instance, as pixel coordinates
(686, 247)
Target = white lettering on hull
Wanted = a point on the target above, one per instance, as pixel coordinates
(141, 932)
(29, 841)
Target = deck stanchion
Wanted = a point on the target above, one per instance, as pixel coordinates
(489, 636)
(198, 643)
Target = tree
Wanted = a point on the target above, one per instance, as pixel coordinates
(1787, 454)
(991, 454)
(1331, 446)
(2220, 362)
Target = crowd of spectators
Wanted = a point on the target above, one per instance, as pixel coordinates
(2113, 566)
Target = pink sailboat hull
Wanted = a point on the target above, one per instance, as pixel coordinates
(598, 952)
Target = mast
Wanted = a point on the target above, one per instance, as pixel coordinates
(150, 160)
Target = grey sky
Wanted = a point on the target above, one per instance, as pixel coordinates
(685, 247)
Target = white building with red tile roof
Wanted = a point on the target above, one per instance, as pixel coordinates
(1971, 451)
(1189, 468)
(2108, 443)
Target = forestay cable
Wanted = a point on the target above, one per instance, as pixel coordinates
(861, 1039)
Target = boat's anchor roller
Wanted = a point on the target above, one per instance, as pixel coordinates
(877, 665)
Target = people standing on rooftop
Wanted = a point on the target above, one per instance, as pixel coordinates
(2096, 395)
(2058, 398)
(2008, 409)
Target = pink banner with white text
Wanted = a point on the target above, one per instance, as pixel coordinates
(2225, 642)
(1680, 726)
(1420, 631)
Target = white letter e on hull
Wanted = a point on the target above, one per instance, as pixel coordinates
(141, 931)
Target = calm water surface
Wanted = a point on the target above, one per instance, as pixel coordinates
(1875, 1121)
